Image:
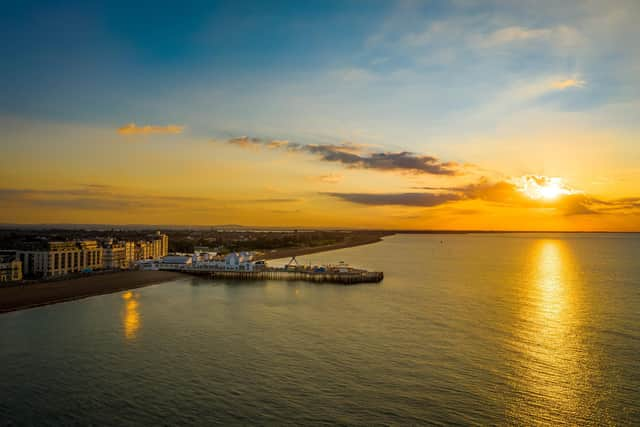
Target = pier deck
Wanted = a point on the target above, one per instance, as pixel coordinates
(345, 278)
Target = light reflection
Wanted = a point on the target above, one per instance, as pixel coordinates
(131, 316)
(553, 362)
(553, 285)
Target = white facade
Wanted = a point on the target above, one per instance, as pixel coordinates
(234, 261)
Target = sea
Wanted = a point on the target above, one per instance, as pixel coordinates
(476, 329)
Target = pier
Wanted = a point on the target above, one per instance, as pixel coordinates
(242, 266)
(344, 278)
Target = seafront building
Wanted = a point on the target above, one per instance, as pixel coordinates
(51, 259)
(61, 258)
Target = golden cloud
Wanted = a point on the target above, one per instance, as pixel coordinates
(514, 34)
(331, 178)
(133, 129)
(565, 84)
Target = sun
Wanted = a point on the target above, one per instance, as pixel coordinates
(543, 187)
(550, 190)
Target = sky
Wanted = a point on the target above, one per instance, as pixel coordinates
(460, 114)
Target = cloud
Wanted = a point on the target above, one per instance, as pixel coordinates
(332, 178)
(277, 143)
(356, 156)
(402, 199)
(96, 198)
(273, 200)
(434, 31)
(565, 84)
(106, 198)
(504, 193)
(89, 197)
(514, 34)
(245, 142)
(133, 129)
(401, 161)
(560, 36)
(355, 75)
(528, 90)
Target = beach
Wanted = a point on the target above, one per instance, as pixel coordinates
(21, 297)
(356, 240)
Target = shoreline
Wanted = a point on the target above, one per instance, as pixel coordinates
(22, 297)
(357, 241)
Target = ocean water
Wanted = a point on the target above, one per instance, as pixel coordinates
(514, 329)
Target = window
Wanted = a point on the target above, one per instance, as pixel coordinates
(56, 261)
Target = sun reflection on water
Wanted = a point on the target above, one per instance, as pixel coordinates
(131, 316)
(554, 289)
(553, 361)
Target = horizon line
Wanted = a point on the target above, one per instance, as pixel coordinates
(62, 226)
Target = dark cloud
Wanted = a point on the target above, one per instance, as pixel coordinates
(579, 205)
(403, 199)
(403, 161)
(111, 199)
(585, 205)
(93, 197)
(90, 197)
(355, 156)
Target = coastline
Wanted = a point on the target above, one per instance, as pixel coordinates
(358, 240)
(14, 298)
(22, 297)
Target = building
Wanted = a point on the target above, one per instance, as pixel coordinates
(129, 253)
(235, 261)
(60, 258)
(242, 261)
(160, 245)
(50, 259)
(164, 247)
(141, 251)
(10, 268)
(154, 248)
(115, 255)
(176, 262)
